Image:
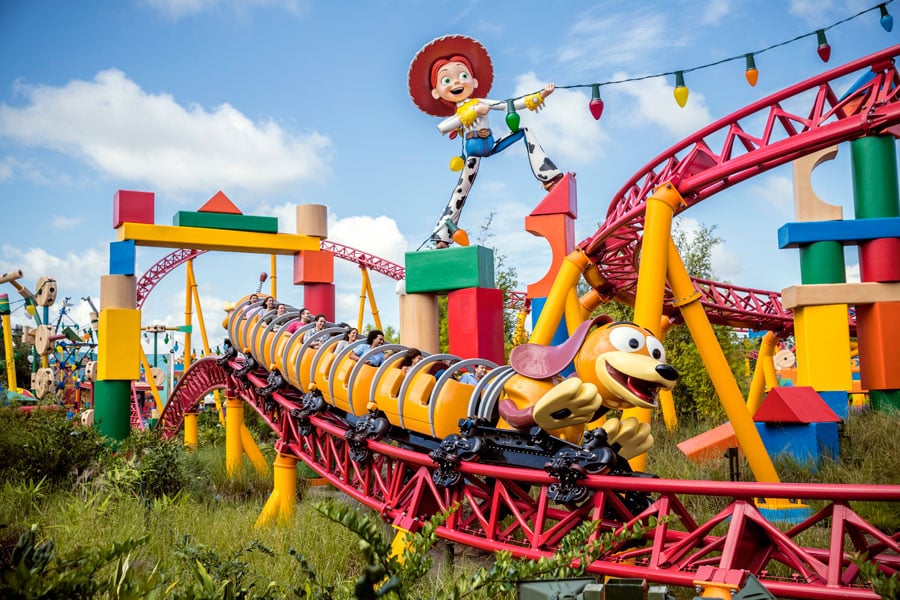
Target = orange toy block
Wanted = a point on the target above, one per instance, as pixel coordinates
(711, 444)
(559, 231)
(878, 329)
(313, 266)
(220, 203)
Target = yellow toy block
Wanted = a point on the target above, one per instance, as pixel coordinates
(119, 347)
(822, 335)
(202, 238)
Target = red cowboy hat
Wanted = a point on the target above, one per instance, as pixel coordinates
(444, 47)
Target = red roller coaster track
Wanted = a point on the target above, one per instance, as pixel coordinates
(509, 508)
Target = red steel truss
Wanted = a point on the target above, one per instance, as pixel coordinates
(757, 138)
(506, 508)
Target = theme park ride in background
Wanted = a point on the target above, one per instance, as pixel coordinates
(411, 445)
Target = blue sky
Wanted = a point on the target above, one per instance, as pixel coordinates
(280, 102)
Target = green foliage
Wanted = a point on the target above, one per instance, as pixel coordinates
(44, 444)
(886, 586)
(506, 278)
(35, 571)
(217, 577)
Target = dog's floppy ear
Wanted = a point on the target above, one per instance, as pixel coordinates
(540, 362)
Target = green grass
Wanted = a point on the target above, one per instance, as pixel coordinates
(210, 517)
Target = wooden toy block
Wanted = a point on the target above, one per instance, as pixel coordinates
(806, 443)
(118, 291)
(800, 404)
(121, 258)
(312, 220)
(838, 401)
(220, 203)
(319, 298)
(794, 235)
(112, 408)
(879, 260)
(201, 238)
(313, 266)
(228, 221)
(807, 204)
(133, 207)
(710, 444)
(119, 344)
(475, 323)
(854, 294)
(559, 231)
(419, 322)
(822, 262)
(822, 335)
(561, 200)
(885, 400)
(877, 330)
(447, 269)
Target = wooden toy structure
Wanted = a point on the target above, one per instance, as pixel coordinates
(521, 508)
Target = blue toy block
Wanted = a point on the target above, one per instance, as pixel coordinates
(803, 442)
(122, 258)
(838, 401)
(794, 235)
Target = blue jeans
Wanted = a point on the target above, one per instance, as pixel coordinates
(482, 147)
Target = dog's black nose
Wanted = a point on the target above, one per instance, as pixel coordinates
(667, 372)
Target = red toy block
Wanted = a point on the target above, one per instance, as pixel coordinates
(877, 330)
(710, 444)
(313, 266)
(795, 404)
(561, 200)
(559, 231)
(319, 298)
(475, 323)
(220, 203)
(878, 260)
(133, 207)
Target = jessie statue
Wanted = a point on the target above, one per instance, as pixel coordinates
(443, 79)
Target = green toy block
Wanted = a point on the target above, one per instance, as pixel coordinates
(885, 400)
(448, 269)
(209, 220)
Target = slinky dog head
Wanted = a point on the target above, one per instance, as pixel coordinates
(625, 361)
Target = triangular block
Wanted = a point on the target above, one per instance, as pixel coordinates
(794, 404)
(561, 200)
(220, 203)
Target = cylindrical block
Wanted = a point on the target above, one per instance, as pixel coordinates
(875, 192)
(419, 322)
(312, 220)
(118, 291)
(319, 298)
(878, 260)
(112, 408)
(11, 276)
(822, 262)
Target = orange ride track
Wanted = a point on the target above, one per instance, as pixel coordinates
(508, 508)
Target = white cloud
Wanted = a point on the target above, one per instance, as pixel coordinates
(119, 129)
(814, 12)
(776, 191)
(79, 269)
(626, 38)
(852, 273)
(651, 103)
(175, 9)
(61, 222)
(715, 11)
(565, 128)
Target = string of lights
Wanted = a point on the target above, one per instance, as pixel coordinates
(751, 73)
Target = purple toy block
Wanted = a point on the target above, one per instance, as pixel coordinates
(133, 207)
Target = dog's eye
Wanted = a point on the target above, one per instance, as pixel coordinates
(655, 348)
(626, 339)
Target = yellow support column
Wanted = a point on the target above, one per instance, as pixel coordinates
(191, 439)
(282, 502)
(554, 308)
(248, 445)
(666, 400)
(688, 301)
(651, 283)
(234, 421)
(758, 383)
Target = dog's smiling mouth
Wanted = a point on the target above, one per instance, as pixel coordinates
(642, 389)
